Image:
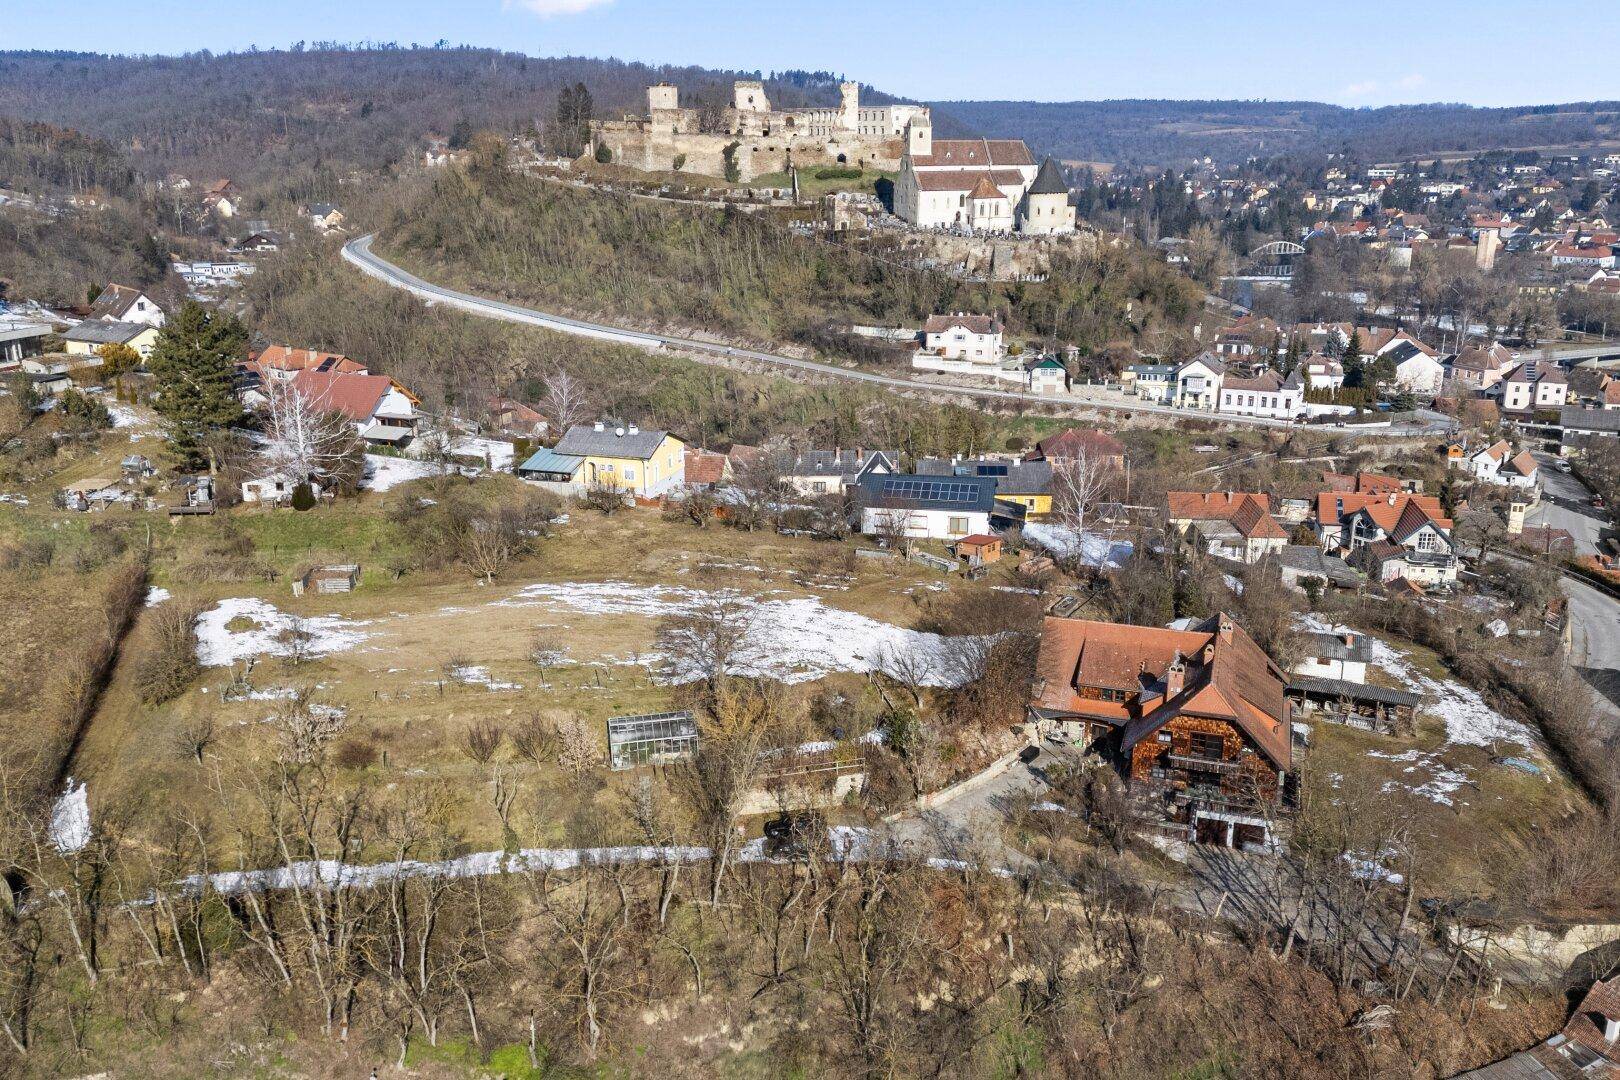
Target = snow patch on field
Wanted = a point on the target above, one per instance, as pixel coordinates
(383, 472)
(478, 675)
(218, 646)
(1090, 549)
(497, 452)
(70, 819)
(1469, 720)
(156, 596)
(793, 640)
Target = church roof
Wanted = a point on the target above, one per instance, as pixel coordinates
(1049, 181)
(984, 189)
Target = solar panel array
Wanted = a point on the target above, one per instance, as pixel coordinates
(934, 490)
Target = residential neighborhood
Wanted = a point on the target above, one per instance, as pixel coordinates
(594, 565)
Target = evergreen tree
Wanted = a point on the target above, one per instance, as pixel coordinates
(193, 365)
(1354, 372)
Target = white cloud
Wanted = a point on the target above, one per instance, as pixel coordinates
(548, 8)
(1412, 81)
(1360, 89)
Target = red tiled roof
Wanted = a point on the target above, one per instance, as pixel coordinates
(984, 189)
(355, 396)
(286, 358)
(1385, 510)
(1074, 441)
(974, 324)
(1362, 483)
(969, 153)
(705, 467)
(1249, 514)
(964, 180)
(1228, 677)
(978, 540)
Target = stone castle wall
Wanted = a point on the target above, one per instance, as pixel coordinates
(767, 140)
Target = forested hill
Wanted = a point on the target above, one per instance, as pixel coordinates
(274, 115)
(246, 115)
(1174, 132)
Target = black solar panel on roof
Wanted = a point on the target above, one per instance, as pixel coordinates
(992, 470)
(917, 488)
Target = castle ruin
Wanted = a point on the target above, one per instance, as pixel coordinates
(760, 139)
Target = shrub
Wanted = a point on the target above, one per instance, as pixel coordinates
(169, 664)
(603, 154)
(355, 753)
(303, 497)
(838, 174)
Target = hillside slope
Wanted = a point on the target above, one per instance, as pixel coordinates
(1172, 132)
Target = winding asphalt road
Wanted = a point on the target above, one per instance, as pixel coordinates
(358, 253)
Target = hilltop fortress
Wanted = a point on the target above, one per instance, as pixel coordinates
(757, 138)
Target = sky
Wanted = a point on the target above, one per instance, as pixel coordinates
(1375, 52)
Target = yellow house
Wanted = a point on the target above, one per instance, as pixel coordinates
(1027, 483)
(646, 464)
(92, 334)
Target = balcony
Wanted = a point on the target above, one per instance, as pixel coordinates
(1200, 763)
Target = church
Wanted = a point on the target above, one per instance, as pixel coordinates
(982, 185)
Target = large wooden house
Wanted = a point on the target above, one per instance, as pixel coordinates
(1196, 721)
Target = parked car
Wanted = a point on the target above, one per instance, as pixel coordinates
(1563, 465)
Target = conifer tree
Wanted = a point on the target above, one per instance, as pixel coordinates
(193, 365)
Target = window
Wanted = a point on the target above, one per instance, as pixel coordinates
(957, 525)
(1202, 744)
(629, 474)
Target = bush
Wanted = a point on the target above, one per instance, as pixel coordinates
(603, 154)
(838, 174)
(303, 497)
(169, 664)
(355, 753)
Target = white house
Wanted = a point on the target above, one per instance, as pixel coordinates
(1417, 369)
(1321, 372)
(1198, 382)
(1534, 385)
(925, 507)
(1265, 395)
(119, 303)
(1046, 375)
(1342, 657)
(830, 472)
(274, 489)
(1498, 464)
(960, 336)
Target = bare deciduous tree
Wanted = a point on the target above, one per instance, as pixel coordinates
(305, 728)
(307, 440)
(1079, 483)
(566, 401)
(481, 741)
(546, 651)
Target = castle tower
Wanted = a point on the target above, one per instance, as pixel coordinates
(748, 95)
(849, 106)
(1046, 204)
(919, 136)
(662, 96)
(1486, 246)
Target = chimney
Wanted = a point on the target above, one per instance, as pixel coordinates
(1608, 1025)
(598, 426)
(1226, 627)
(1175, 677)
(1349, 640)
(634, 430)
